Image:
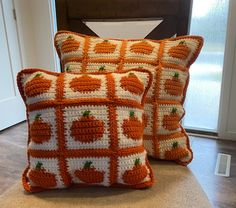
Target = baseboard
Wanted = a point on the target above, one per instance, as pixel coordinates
(202, 133)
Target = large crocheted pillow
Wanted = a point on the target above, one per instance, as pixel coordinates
(85, 129)
(168, 60)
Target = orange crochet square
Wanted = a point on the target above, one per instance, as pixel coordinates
(168, 60)
(85, 129)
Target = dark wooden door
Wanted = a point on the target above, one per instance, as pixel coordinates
(175, 14)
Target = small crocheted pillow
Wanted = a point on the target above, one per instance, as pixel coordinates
(168, 60)
(85, 129)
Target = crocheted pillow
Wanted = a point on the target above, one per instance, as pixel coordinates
(85, 129)
(168, 60)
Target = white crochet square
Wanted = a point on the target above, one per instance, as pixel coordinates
(153, 69)
(167, 145)
(73, 66)
(92, 49)
(192, 44)
(125, 94)
(101, 164)
(47, 116)
(70, 93)
(50, 165)
(78, 53)
(153, 56)
(168, 74)
(101, 67)
(123, 113)
(51, 92)
(166, 110)
(76, 67)
(74, 113)
(128, 163)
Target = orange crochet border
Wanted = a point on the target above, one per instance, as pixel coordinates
(62, 152)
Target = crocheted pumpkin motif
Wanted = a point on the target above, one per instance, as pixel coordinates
(40, 131)
(132, 127)
(137, 174)
(181, 51)
(37, 85)
(132, 84)
(85, 84)
(104, 47)
(87, 128)
(87, 144)
(142, 47)
(41, 177)
(69, 45)
(176, 152)
(171, 121)
(174, 86)
(89, 174)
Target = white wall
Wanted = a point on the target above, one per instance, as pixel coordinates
(36, 28)
(227, 118)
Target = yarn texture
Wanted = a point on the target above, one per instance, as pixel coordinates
(85, 129)
(168, 60)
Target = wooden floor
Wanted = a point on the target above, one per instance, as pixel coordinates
(221, 191)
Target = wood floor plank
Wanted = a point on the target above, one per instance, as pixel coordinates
(220, 190)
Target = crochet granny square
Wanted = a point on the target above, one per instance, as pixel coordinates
(85, 129)
(168, 60)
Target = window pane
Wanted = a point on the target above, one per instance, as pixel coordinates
(209, 19)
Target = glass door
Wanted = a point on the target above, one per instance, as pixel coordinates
(209, 19)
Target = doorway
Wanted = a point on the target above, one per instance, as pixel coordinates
(12, 109)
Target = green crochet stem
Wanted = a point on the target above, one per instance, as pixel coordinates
(131, 74)
(102, 68)
(131, 114)
(174, 110)
(38, 165)
(175, 145)
(68, 69)
(137, 162)
(176, 75)
(88, 164)
(86, 113)
(37, 75)
(38, 116)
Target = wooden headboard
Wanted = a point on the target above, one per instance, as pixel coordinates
(174, 13)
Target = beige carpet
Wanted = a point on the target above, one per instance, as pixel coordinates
(175, 187)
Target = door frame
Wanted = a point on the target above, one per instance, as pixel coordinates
(36, 22)
(12, 106)
(229, 72)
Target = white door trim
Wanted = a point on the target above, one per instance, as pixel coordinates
(12, 108)
(53, 26)
(36, 22)
(229, 71)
